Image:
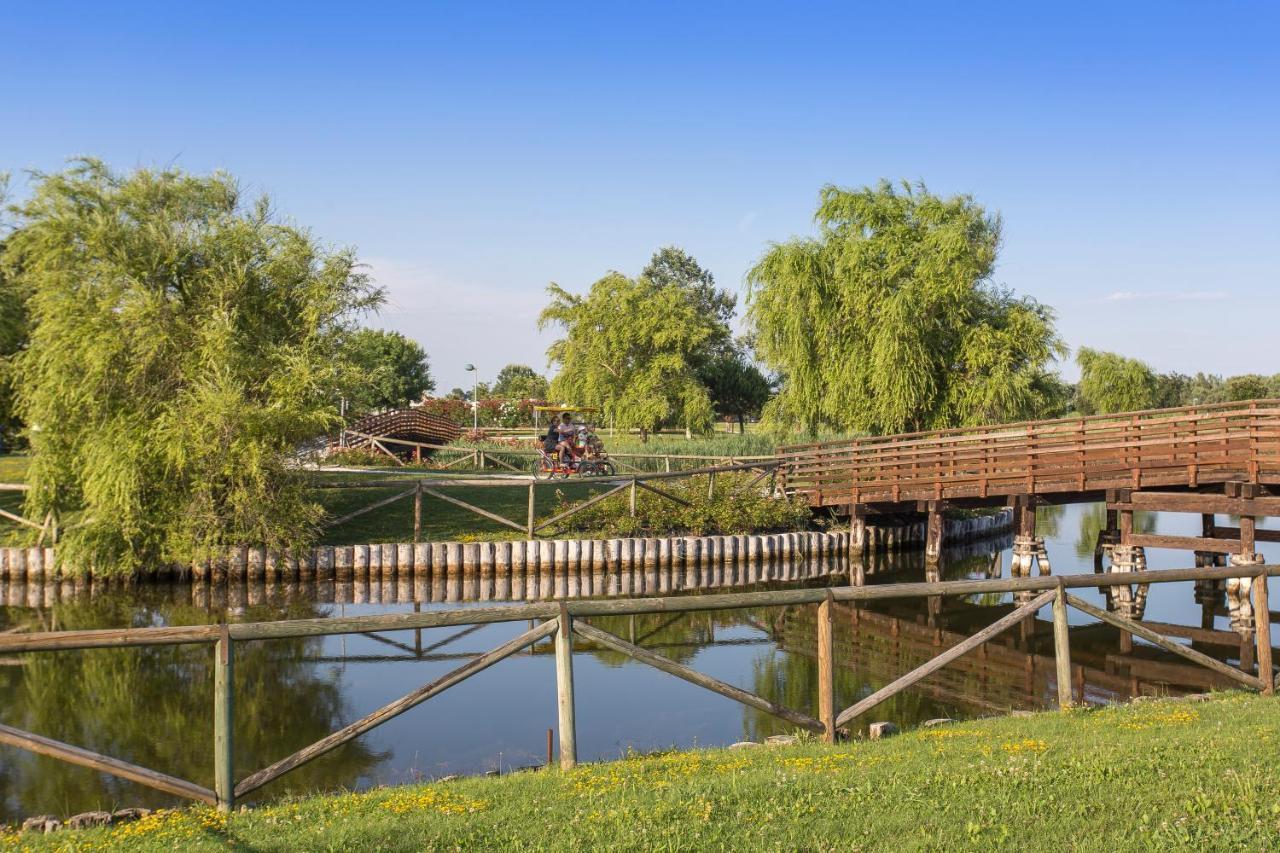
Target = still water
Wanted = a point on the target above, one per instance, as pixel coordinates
(152, 706)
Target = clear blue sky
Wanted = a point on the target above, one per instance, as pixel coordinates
(473, 152)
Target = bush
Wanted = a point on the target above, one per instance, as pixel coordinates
(733, 508)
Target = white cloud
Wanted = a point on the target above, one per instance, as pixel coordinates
(460, 322)
(1166, 295)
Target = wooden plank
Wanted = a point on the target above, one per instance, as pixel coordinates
(694, 677)
(921, 672)
(19, 519)
(477, 510)
(580, 507)
(565, 711)
(1062, 648)
(224, 720)
(1168, 645)
(660, 492)
(394, 709)
(826, 671)
(370, 508)
(1187, 543)
(105, 764)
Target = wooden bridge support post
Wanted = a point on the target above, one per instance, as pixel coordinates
(1209, 594)
(826, 670)
(935, 528)
(224, 722)
(564, 690)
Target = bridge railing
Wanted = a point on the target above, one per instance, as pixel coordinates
(1182, 446)
(564, 620)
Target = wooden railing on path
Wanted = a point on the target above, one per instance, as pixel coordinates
(565, 619)
(1187, 446)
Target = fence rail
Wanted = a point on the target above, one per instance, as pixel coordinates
(1188, 446)
(482, 458)
(565, 619)
(530, 525)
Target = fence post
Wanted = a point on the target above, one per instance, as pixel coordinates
(417, 512)
(224, 721)
(1062, 646)
(564, 690)
(480, 456)
(711, 485)
(633, 497)
(667, 462)
(1262, 632)
(529, 524)
(826, 671)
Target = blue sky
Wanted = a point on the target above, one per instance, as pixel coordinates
(474, 152)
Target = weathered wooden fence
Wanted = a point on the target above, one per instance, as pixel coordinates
(483, 458)
(1189, 446)
(530, 525)
(564, 620)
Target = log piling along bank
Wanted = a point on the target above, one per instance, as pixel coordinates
(538, 556)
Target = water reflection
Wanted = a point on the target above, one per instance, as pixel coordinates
(152, 706)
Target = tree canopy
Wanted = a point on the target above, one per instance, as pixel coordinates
(630, 348)
(182, 344)
(737, 387)
(388, 370)
(888, 320)
(1113, 383)
(520, 382)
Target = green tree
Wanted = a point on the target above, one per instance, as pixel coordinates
(1249, 386)
(1114, 383)
(520, 382)
(13, 337)
(888, 320)
(629, 349)
(181, 345)
(737, 387)
(388, 370)
(672, 266)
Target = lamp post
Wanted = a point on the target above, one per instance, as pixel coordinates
(475, 400)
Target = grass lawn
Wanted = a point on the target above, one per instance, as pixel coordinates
(1153, 776)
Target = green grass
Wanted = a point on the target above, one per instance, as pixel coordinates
(1165, 775)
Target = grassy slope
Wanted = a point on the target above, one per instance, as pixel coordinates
(1153, 776)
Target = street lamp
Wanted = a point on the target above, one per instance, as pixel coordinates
(475, 398)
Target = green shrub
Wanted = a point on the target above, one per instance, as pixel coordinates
(734, 507)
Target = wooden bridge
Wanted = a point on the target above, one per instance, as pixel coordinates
(1200, 459)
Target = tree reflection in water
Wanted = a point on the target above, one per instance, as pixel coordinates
(153, 706)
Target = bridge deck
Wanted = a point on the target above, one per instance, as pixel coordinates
(1186, 447)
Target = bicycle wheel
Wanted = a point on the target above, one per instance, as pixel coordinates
(542, 468)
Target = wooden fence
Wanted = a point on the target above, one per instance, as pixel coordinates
(530, 525)
(564, 620)
(1187, 446)
(499, 458)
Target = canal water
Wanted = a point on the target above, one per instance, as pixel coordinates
(153, 706)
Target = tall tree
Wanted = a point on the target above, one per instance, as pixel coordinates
(888, 319)
(672, 266)
(13, 336)
(629, 349)
(387, 370)
(520, 382)
(737, 387)
(1113, 383)
(182, 343)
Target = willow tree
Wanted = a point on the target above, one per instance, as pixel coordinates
(630, 348)
(181, 344)
(888, 320)
(1114, 383)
